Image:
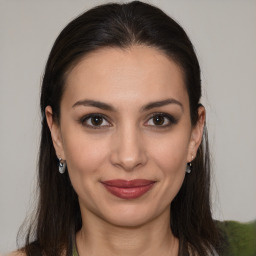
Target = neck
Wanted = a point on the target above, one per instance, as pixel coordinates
(98, 238)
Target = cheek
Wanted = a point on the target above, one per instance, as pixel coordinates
(170, 158)
(170, 153)
(84, 154)
(85, 159)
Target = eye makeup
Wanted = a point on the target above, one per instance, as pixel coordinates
(155, 120)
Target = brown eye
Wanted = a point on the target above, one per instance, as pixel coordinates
(95, 121)
(158, 120)
(161, 120)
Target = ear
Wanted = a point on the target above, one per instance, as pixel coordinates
(55, 133)
(196, 135)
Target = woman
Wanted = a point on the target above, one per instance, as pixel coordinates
(124, 162)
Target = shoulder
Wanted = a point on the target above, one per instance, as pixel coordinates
(16, 253)
(240, 237)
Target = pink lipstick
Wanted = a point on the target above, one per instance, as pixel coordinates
(128, 189)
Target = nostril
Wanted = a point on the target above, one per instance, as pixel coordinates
(128, 160)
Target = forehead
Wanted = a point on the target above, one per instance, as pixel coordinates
(138, 73)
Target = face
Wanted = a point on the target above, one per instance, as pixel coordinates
(125, 133)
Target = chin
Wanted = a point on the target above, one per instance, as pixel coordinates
(128, 222)
(130, 216)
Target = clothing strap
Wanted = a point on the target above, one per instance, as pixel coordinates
(75, 253)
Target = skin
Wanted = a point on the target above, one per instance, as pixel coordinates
(128, 144)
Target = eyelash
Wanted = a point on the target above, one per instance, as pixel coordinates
(170, 119)
(90, 116)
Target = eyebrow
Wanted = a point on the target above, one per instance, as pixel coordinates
(108, 107)
(161, 103)
(93, 103)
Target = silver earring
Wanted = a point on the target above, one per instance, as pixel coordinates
(189, 165)
(188, 168)
(62, 166)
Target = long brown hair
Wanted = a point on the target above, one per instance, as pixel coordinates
(58, 215)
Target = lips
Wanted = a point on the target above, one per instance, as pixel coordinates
(128, 189)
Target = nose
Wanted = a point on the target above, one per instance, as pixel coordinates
(128, 150)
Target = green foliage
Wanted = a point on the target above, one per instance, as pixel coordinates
(241, 238)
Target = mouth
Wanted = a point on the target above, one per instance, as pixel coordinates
(128, 189)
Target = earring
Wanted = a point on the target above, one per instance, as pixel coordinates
(189, 165)
(62, 166)
(188, 168)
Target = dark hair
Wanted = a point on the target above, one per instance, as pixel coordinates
(58, 215)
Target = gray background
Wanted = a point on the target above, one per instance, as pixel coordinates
(224, 35)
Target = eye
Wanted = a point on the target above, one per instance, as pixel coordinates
(95, 121)
(162, 120)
